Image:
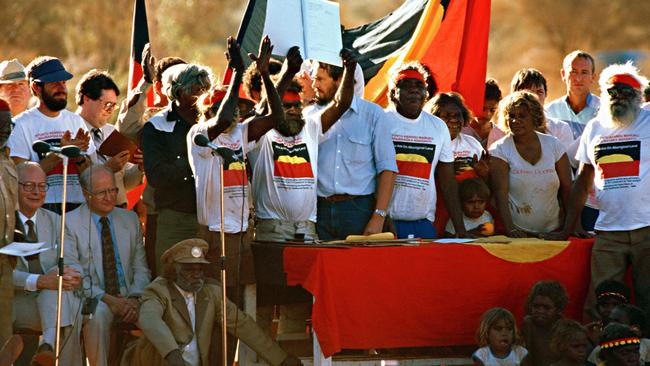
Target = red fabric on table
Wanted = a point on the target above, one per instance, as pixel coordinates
(431, 295)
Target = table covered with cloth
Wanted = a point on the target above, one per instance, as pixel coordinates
(426, 295)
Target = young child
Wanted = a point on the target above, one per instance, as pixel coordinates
(498, 338)
(633, 317)
(609, 294)
(569, 340)
(619, 346)
(474, 196)
(544, 306)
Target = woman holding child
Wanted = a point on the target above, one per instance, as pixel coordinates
(529, 170)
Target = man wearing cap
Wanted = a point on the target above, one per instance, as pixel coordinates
(97, 100)
(14, 88)
(179, 312)
(8, 205)
(613, 155)
(104, 243)
(49, 121)
(419, 136)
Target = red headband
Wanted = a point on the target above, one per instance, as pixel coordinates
(626, 79)
(409, 74)
(210, 99)
(291, 96)
(612, 294)
(619, 342)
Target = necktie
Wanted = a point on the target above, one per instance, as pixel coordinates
(33, 263)
(111, 283)
(98, 138)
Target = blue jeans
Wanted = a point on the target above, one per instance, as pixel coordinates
(422, 228)
(337, 220)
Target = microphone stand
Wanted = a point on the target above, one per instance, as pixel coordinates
(222, 264)
(57, 348)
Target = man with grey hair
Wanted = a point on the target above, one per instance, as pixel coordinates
(166, 163)
(14, 88)
(104, 243)
(615, 146)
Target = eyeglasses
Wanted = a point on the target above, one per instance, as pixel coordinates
(31, 186)
(623, 92)
(105, 193)
(109, 107)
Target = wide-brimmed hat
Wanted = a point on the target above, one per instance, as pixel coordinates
(50, 71)
(12, 71)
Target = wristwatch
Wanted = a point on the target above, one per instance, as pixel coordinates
(381, 213)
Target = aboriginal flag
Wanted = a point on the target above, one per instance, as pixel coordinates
(234, 170)
(449, 36)
(139, 38)
(291, 161)
(618, 159)
(414, 159)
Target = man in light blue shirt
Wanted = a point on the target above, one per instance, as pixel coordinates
(577, 108)
(356, 163)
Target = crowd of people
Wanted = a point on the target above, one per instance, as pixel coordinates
(291, 151)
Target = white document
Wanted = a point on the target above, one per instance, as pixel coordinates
(312, 25)
(453, 241)
(18, 249)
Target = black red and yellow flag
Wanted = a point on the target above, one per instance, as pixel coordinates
(139, 38)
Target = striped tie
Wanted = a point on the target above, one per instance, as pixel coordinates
(111, 283)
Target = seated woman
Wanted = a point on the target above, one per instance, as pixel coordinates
(528, 169)
(468, 152)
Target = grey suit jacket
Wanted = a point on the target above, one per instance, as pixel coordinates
(47, 229)
(83, 250)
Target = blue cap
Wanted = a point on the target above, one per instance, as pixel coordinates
(50, 71)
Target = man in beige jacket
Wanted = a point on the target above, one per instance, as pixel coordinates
(179, 311)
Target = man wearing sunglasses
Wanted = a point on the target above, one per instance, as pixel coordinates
(49, 121)
(97, 100)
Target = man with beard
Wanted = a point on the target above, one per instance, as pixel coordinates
(613, 155)
(8, 205)
(179, 312)
(13, 86)
(356, 163)
(51, 122)
(424, 155)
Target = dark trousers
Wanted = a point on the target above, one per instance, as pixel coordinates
(337, 220)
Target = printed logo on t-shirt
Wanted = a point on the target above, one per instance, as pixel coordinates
(414, 159)
(618, 162)
(234, 170)
(291, 161)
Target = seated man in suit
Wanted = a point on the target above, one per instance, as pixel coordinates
(105, 244)
(35, 278)
(179, 310)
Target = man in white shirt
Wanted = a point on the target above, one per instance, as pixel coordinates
(35, 277)
(49, 121)
(613, 155)
(14, 88)
(97, 100)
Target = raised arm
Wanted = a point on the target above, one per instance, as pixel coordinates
(290, 68)
(228, 107)
(258, 126)
(130, 119)
(343, 98)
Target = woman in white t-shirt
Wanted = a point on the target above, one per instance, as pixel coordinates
(469, 155)
(528, 170)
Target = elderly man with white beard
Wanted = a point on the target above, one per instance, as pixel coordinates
(614, 154)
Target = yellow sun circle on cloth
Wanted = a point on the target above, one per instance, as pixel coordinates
(521, 250)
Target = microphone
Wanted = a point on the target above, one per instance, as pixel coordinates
(42, 147)
(225, 153)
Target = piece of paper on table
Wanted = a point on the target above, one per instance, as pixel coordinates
(453, 240)
(18, 249)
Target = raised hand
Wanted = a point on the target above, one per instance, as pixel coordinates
(481, 166)
(294, 60)
(264, 55)
(148, 64)
(233, 55)
(81, 139)
(349, 59)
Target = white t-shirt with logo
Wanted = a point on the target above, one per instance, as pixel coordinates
(470, 223)
(285, 173)
(419, 145)
(464, 148)
(533, 189)
(621, 160)
(205, 166)
(33, 125)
